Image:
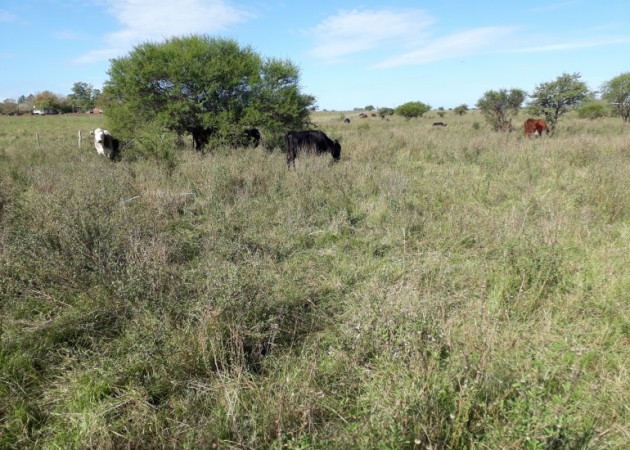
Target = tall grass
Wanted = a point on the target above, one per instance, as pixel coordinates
(436, 288)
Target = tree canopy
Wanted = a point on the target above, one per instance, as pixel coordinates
(555, 98)
(47, 100)
(499, 107)
(385, 111)
(208, 87)
(593, 110)
(411, 110)
(461, 109)
(84, 95)
(617, 93)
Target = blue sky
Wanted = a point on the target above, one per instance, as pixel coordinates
(351, 53)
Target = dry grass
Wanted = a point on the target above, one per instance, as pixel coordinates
(436, 288)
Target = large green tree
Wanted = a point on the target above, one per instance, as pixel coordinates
(617, 93)
(499, 107)
(210, 88)
(555, 98)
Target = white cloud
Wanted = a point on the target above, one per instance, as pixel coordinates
(356, 31)
(576, 45)
(457, 45)
(155, 20)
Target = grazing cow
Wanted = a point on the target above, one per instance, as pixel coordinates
(363, 116)
(310, 141)
(439, 124)
(535, 127)
(105, 143)
(250, 138)
(346, 120)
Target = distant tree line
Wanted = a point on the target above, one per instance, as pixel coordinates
(84, 98)
(552, 100)
(549, 100)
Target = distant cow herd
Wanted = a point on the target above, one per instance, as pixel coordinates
(308, 141)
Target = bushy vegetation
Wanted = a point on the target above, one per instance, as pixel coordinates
(461, 109)
(500, 107)
(210, 88)
(593, 110)
(452, 288)
(617, 93)
(554, 99)
(411, 110)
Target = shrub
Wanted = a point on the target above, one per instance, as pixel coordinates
(411, 110)
(593, 110)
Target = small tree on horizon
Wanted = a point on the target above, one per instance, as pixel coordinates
(8, 106)
(499, 107)
(593, 110)
(617, 93)
(47, 100)
(554, 99)
(384, 111)
(412, 110)
(84, 95)
(461, 109)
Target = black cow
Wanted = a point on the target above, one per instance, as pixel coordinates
(310, 141)
(346, 120)
(251, 137)
(439, 124)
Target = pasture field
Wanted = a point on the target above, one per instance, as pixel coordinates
(447, 288)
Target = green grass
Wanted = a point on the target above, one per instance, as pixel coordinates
(436, 288)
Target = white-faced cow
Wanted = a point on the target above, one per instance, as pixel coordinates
(105, 143)
(310, 141)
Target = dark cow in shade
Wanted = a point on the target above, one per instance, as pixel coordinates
(247, 138)
(535, 127)
(439, 124)
(105, 143)
(202, 136)
(310, 141)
